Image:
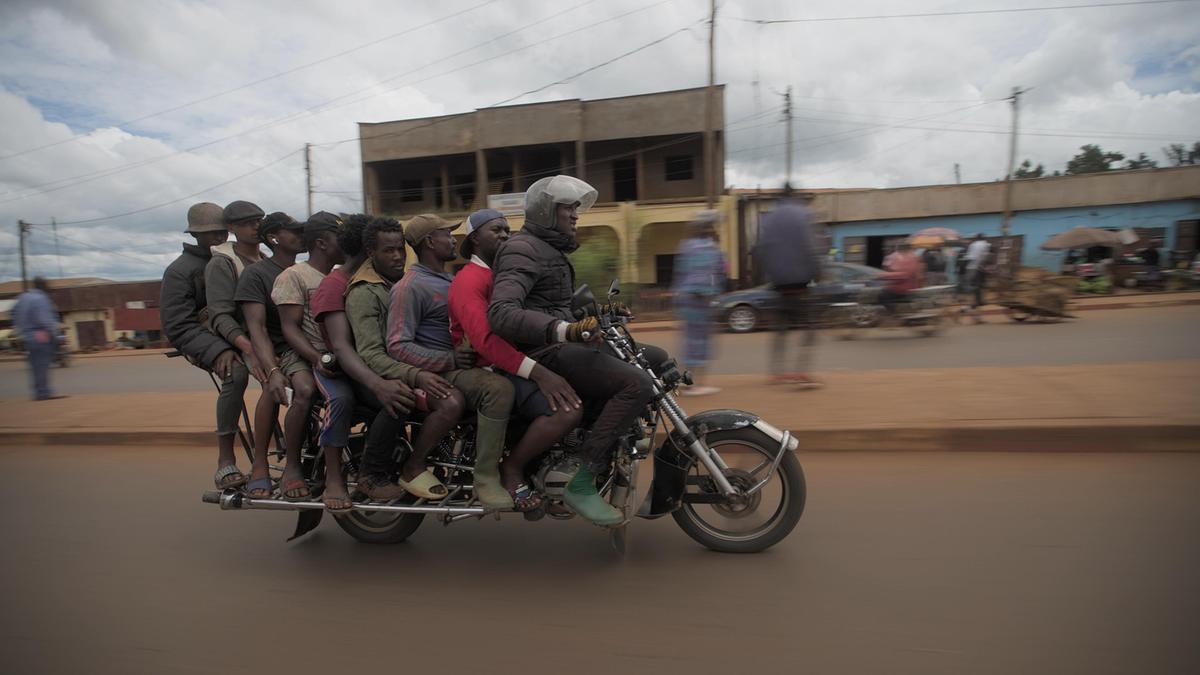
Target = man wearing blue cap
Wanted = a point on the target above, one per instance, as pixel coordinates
(542, 398)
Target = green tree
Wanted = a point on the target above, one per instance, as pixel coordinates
(1091, 159)
(595, 262)
(1140, 162)
(1180, 155)
(1027, 170)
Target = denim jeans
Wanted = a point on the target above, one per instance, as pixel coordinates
(41, 355)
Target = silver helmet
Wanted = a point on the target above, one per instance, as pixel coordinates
(542, 196)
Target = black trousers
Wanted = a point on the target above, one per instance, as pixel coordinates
(600, 377)
(380, 446)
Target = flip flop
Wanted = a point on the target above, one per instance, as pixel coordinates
(228, 476)
(347, 508)
(259, 484)
(291, 486)
(424, 485)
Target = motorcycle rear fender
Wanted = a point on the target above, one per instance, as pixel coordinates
(671, 464)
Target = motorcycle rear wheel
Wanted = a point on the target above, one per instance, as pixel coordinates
(379, 527)
(700, 521)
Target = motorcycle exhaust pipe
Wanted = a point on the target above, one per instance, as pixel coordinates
(235, 501)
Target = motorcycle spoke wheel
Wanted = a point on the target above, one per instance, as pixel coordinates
(759, 520)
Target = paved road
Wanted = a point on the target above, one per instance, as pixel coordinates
(1108, 336)
(903, 563)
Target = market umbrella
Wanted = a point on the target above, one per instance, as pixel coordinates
(932, 236)
(1082, 237)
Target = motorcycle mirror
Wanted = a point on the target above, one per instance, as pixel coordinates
(614, 289)
(582, 298)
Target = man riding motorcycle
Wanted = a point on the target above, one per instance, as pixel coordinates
(531, 308)
(904, 275)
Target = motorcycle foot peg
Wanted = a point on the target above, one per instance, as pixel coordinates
(211, 497)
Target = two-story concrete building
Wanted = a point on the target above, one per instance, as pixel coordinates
(644, 154)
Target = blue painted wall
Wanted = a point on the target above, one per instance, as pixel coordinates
(1037, 226)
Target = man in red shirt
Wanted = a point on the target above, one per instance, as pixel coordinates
(543, 398)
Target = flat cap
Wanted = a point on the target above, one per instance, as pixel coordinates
(241, 210)
(205, 217)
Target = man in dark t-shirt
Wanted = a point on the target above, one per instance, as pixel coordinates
(282, 235)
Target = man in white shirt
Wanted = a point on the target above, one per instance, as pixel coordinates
(976, 256)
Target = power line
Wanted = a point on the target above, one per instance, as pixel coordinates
(320, 109)
(261, 80)
(80, 242)
(1007, 10)
(179, 199)
(444, 118)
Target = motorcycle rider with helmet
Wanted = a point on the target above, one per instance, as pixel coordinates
(531, 308)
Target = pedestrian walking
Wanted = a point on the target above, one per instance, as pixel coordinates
(787, 254)
(977, 255)
(700, 273)
(36, 319)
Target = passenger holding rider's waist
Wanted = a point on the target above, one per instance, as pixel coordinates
(543, 400)
(419, 334)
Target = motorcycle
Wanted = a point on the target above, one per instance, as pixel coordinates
(925, 310)
(730, 480)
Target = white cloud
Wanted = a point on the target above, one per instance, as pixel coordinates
(1126, 78)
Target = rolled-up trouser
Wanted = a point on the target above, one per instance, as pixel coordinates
(380, 447)
(486, 393)
(229, 401)
(599, 376)
(338, 414)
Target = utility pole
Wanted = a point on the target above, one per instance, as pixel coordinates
(957, 174)
(308, 175)
(1012, 159)
(709, 141)
(787, 116)
(57, 254)
(22, 231)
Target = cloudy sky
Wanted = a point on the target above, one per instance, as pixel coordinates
(117, 115)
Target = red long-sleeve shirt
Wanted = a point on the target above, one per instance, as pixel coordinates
(470, 294)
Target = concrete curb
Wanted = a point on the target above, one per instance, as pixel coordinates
(1027, 438)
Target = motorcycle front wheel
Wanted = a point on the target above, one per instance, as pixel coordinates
(765, 517)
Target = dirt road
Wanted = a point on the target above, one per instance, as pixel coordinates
(903, 563)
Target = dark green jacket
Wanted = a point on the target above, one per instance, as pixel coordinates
(367, 310)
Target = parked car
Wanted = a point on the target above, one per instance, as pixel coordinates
(752, 309)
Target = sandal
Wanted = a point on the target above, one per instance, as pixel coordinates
(228, 476)
(294, 490)
(425, 485)
(259, 488)
(525, 499)
(340, 504)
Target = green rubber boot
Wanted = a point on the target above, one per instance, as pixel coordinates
(583, 498)
(489, 446)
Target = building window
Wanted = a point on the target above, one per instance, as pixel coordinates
(412, 191)
(664, 269)
(679, 167)
(625, 180)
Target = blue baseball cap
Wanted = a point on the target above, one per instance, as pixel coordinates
(475, 221)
